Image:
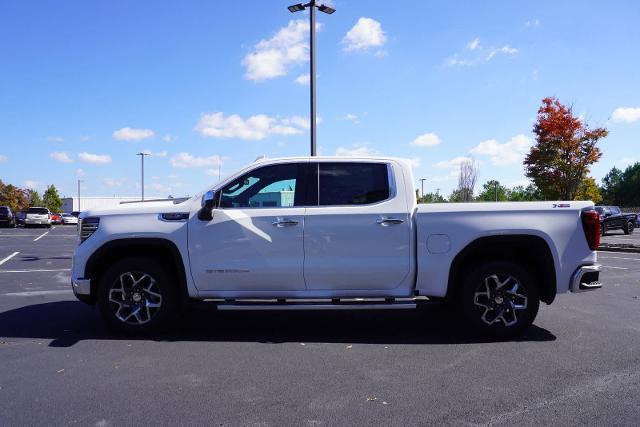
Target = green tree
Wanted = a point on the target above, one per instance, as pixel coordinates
(629, 187)
(52, 199)
(493, 191)
(521, 193)
(611, 186)
(34, 198)
(433, 198)
(588, 190)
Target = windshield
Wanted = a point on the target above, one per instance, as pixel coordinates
(4, 210)
(599, 209)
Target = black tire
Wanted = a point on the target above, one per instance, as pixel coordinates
(491, 314)
(115, 314)
(629, 228)
(603, 230)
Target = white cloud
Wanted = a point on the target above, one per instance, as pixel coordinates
(34, 185)
(186, 160)
(303, 79)
(274, 57)
(98, 159)
(55, 139)
(532, 23)
(61, 156)
(626, 161)
(212, 172)
(350, 117)
(511, 152)
(366, 33)
(426, 140)
(626, 114)
(130, 134)
(3, 158)
(80, 173)
(169, 138)
(255, 127)
(155, 153)
(357, 150)
(414, 162)
(453, 163)
(112, 182)
(476, 54)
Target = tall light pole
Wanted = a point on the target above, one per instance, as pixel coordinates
(79, 209)
(422, 180)
(142, 155)
(312, 53)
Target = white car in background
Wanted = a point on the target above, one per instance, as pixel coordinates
(67, 218)
(38, 216)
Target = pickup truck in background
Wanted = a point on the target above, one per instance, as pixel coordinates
(612, 218)
(328, 233)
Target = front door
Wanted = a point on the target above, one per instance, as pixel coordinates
(358, 236)
(255, 240)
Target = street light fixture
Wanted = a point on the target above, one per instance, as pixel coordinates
(142, 155)
(312, 53)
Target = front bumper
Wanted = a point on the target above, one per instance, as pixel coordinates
(586, 278)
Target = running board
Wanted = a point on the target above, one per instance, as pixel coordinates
(359, 304)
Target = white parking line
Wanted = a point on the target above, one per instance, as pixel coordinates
(34, 271)
(41, 236)
(618, 252)
(34, 293)
(618, 257)
(9, 257)
(617, 268)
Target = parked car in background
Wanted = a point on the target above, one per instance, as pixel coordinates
(75, 213)
(7, 218)
(20, 216)
(56, 218)
(612, 218)
(67, 218)
(38, 216)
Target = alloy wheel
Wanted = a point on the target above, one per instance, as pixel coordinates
(502, 298)
(135, 298)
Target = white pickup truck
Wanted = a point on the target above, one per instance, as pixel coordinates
(332, 233)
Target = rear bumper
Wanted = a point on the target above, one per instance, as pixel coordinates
(31, 221)
(586, 278)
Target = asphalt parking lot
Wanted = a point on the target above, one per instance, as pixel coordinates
(579, 364)
(618, 236)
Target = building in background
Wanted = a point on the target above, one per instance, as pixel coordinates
(72, 204)
(272, 199)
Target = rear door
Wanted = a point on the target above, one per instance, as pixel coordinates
(357, 231)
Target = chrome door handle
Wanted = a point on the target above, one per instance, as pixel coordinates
(284, 222)
(389, 221)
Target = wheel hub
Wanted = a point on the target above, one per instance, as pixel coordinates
(135, 298)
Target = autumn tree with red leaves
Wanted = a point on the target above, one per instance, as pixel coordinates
(565, 148)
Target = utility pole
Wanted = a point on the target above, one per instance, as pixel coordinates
(79, 208)
(142, 155)
(422, 180)
(312, 54)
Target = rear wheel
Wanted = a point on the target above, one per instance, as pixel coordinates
(499, 300)
(629, 228)
(136, 296)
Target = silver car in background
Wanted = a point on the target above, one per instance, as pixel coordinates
(67, 218)
(38, 216)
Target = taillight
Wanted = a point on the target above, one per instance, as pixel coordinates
(591, 227)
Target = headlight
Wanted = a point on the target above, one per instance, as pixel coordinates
(87, 227)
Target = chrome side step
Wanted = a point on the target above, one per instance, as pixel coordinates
(349, 304)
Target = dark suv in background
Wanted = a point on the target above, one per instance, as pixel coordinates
(7, 218)
(612, 218)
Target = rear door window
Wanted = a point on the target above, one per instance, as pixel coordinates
(344, 184)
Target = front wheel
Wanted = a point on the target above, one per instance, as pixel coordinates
(499, 300)
(136, 296)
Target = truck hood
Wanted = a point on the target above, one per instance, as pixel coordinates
(146, 207)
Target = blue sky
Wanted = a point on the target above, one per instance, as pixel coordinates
(86, 85)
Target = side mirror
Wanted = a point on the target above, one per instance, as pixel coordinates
(206, 206)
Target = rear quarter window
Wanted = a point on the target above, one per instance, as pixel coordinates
(38, 211)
